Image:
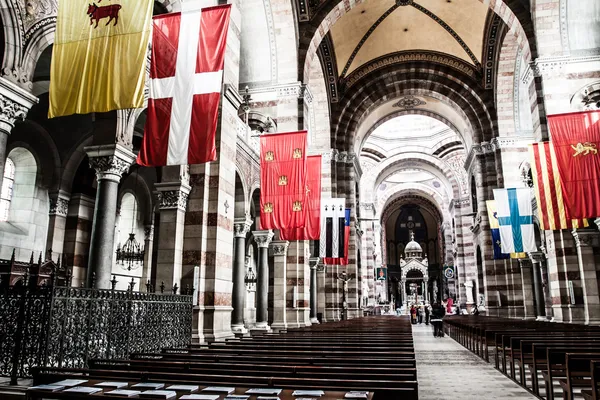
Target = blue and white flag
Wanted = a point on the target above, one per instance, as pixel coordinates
(515, 218)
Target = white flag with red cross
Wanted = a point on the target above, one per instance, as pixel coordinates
(186, 76)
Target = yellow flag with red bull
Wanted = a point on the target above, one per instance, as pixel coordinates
(99, 56)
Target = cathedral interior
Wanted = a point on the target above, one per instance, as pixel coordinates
(419, 109)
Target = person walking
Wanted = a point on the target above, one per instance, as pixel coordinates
(421, 313)
(427, 313)
(437, 315)
(413, 314)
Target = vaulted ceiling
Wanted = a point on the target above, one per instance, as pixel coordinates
(377, 28)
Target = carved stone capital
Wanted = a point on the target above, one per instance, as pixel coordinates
(15, 103)
(584, 238)
(241, 227)
(314, 262)
(110, 161)
(263, 238)
(280, 247)
(172, 196)
(149, 232)
(59, 203)
(597, 221)
(536, 257)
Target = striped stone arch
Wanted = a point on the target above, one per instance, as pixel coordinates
(479, 109)
(513, 13)
(401, 113)
(438, 198)
(439, 168)
(400, 198)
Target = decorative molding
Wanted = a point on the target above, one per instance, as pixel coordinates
(408, 56)
(59, 206)
(172, 196)
(492, 42)
(280, 247)
(564, 25)
(327, 56)
(409, 102)
(516, 90)
(241, 227)
(584, 238)
(109, 161)
(302, 10)
(555, 66)
(15, 103)
(537, 256)
(263, 238)
(314, 262)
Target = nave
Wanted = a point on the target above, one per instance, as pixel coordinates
(447, 370)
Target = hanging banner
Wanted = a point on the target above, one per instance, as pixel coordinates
(186, 77)
(312, 227)
(99, 56)
(283, 180)
(552, 213)
(515, 218)
(495, 229)
(333, 229)
(576, 141)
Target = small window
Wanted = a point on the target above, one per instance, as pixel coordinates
(7, 189)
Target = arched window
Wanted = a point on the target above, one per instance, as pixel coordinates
(7, 189)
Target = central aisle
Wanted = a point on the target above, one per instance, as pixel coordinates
(446, 370)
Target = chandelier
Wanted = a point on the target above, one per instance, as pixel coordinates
(131, 255)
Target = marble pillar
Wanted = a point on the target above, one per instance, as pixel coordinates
(321, 290)
(148, 251)
(172, 203)
(527, 289)
(263, 239)
(15, 103)
(59, 208)
(241, 228)
(584, 240)
(280, 284)
(537, 258)
(313, 261)
(110, 162)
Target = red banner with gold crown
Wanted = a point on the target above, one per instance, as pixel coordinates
(312, 228)
(283, 180)
(576, 140)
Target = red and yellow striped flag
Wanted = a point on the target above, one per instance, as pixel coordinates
(553, 213)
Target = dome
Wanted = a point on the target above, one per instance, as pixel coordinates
(412, 246)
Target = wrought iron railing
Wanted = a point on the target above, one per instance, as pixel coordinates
(67, 326)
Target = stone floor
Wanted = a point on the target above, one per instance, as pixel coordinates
(448, 371)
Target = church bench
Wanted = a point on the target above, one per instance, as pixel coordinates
(322, 372)
(578, 373)
(311, 360)
(304, 352)
(594, 392)
(333, 348)
(556, 365)
(382, 389)
(533, 355)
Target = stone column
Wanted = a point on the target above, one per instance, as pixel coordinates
(403, 294)
(314, 261)
(148, 250)
(280, 284)
(110, 162)
(15, 103)
(59, 208)
(537, 258)
(588, 275)
(527, 289)
(241, 228)
(172, 203)
(426, 291)
(263, 239)
(321, 290)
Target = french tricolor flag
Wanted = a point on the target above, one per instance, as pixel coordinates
(186, 76)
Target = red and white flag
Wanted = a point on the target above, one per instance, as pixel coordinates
(186, 76)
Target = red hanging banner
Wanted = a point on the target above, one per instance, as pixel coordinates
(312, 228)
(283, 180)
(576, 140)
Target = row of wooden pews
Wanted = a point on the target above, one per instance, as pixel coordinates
(551, 360)
(372, 354)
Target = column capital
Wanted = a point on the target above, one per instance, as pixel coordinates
(110, 161)
(241, 227)
(597, 221)
(313, 262)
(15, 103)
(280, 247)
(536, 256)
(149, 232)
(59, 203)
(172, 196)
(584, 238)
(263, 238)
